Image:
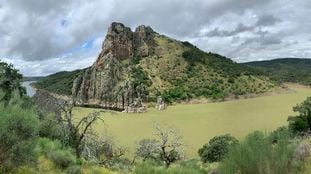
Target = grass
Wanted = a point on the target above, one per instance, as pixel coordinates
(198, 123)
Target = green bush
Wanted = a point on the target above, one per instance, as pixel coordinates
(153, 168)
(302, 122)
(257, 155)
(74, 170)
(217, 148)
(52, 129)
(278, 134)
(18, 128)
(61, 156)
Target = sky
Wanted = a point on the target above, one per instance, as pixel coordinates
(41, 37)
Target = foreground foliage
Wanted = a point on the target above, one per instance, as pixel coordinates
(217, 148)
(302, 122)
(18, 130)
(257, 154)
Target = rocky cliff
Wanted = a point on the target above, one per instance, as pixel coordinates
(109, 82)
(138, 66)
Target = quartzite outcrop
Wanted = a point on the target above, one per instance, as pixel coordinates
(108, 82)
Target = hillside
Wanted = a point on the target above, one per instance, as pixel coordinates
(60, 83)
(32, 78)
(144, 64)
(285, 70)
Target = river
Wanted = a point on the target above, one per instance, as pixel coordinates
(29, 89)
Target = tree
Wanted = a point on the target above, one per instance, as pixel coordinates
(10, 82)
(147, 149)
(168, 147)
(102, 150)
(301, 122)
(75, 131)
(217, 148)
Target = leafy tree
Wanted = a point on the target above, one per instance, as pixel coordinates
(302, 122)
(217, 148)
(10, 82)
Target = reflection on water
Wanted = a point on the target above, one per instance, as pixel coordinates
(30, 90)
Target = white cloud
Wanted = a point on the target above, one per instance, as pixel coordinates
(34, 33)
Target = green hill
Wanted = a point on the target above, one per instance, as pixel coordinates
(146, 64)
(60, 83)
(285, 70)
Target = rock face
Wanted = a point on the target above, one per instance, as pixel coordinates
(108, 82)
(160, 103)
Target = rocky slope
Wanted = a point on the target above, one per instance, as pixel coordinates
(143, 64)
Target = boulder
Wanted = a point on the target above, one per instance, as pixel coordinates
(160, 103)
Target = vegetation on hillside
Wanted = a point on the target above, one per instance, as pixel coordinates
(178, 71)
(32, 78)
(285, 70)
(216, 77)
(41, 142)
(59, 83)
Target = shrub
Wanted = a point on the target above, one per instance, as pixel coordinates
(279, 134)
(147, 149)
(52, 129)
(18, 129)
(152, 168)
(74, 170)
(53, 150)
(256, 155)
(217, 147)
(62, 158)
(302, 122)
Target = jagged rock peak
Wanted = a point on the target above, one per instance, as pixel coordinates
(121, 43)
(144, 28)
(106, 83)
(118, 28)
(118, 41)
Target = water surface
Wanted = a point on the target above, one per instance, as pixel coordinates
(29, 89)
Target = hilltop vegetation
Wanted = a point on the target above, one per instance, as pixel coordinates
(165, 67)
(181, 71)
(285, 70)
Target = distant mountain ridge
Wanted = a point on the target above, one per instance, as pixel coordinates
(296, 70)
(143, 64)
(32, 78)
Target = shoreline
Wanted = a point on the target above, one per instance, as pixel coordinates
(285, 88)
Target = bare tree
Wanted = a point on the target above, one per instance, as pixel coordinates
(168, 147)
(170, 144)
(102, 150)
(76, 131)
